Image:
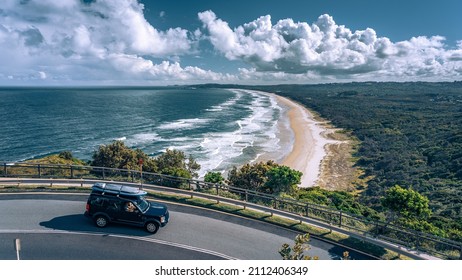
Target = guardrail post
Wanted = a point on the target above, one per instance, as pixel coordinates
(4, 169)
(72, 172)
(340, 222)
(460, 253)
(216, 187)
(103, 173)
(39, 171)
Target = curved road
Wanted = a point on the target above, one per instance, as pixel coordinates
(52, 226)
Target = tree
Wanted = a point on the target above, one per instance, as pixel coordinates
(117, 155)
(192, 166)
(66, 155)
(176, 172)
(250, 176)
(214, 177)
(171, 159)
(407, 203)
(282, 179)
(267, 177)
(297, 252)
(174, 162)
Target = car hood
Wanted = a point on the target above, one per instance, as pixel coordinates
(156, 209)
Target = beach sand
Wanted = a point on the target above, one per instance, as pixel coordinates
(310, 142)
(312, 146)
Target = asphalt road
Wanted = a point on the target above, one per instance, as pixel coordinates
(52, 227)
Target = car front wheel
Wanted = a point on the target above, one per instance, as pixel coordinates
(151, 227)
(101, 221)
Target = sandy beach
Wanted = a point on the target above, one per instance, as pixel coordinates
(309, 147)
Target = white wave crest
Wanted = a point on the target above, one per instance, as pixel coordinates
(184, 124)
(254, 135)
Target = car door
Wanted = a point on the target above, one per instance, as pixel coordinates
(128, 216)
(113, 208)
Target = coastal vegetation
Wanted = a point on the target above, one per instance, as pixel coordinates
(214, 177)
(409, 134)
(298, 250)
(64, 157)
(171, 162)
(265, 177)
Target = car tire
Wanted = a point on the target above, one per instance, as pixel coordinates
(151, 227)
(101, 221)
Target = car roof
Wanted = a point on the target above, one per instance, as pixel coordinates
(117, 189)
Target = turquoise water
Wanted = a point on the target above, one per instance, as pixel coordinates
(219, 127)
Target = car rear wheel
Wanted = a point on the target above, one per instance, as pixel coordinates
(101, 221)
(151, 227)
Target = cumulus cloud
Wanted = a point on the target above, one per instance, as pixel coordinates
(75, 41)
(88, 40)
(326, 49)
(146, 69)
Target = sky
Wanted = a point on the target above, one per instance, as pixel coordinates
(172, 42)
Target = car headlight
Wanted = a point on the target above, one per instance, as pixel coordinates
(162, 219)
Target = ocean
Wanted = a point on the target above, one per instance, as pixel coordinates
(220, 128)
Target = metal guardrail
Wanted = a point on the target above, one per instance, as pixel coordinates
(350, 223)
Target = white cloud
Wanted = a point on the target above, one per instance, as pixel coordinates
(165, 70)
(324, 50)
(42, 75)
(110, 41)
(69, 40)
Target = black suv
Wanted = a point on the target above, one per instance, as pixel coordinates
(126, 205)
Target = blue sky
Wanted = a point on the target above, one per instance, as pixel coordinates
(164, 42)
(397, 20)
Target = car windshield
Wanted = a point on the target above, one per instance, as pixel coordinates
(142, 204)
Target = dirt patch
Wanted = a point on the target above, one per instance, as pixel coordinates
(338, 172)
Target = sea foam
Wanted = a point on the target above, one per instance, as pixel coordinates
(254, 136)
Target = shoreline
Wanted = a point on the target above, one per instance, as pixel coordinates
(310, 145)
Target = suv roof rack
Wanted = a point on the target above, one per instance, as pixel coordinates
(117, 189)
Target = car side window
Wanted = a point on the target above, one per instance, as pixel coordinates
(97, 201)
(113, 205)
